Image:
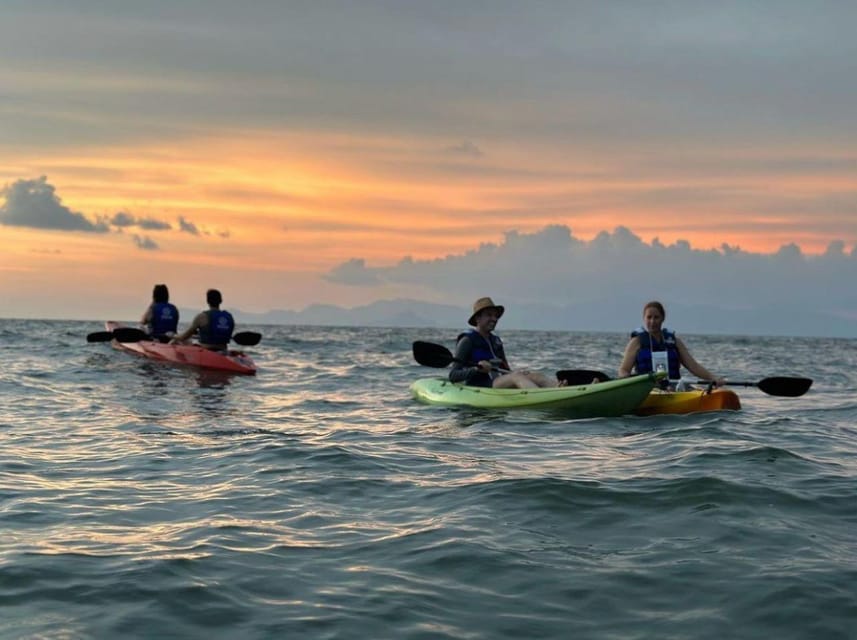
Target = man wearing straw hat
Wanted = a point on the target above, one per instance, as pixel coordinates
(480, 359)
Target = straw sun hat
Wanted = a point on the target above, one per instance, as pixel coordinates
(481, 305)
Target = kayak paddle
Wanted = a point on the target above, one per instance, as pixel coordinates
(122, 334)
(774, 386)
(429, 354)
(247, 338)
(100, 336)
(130, 334)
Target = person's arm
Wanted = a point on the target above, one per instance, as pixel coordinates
(629, 358)
(462, 369)
(504, 361)
(198, 321)
(147, 316)
(693, 366)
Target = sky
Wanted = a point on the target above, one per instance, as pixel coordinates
(340, 152)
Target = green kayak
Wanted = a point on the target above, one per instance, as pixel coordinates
(611, 398)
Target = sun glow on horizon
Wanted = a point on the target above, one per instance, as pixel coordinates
(312, 201)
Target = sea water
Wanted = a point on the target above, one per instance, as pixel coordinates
(318, 500)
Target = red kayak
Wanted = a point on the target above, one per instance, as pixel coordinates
(189, 354)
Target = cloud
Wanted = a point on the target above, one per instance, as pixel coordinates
(123, 219)
(145, 243)
(153, 225)
(353, 272)
(540, 71)
(618, 270)
(188, 227)
(836, 249)
(466, 148)
(34, 204)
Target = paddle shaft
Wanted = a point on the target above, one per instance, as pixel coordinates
(785, 386)
(132, 334)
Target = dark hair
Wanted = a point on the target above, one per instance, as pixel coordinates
(213, 297)
(655, 305)
(160, 293)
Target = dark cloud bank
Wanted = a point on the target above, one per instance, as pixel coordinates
(552, 280)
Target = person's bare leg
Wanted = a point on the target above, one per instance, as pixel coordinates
(514, 380)
(541, 380)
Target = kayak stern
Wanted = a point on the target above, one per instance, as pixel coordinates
(695, 401)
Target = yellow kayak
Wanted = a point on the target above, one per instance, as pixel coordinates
(694, 401)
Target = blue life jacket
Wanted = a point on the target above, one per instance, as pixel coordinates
(219, 328)
(480, 350)
(165, 318)
(643, 363)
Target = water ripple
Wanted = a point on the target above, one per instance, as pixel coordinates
(317, 499)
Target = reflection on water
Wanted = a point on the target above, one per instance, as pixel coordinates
(214, 379)
(317, 498)
(161, 375)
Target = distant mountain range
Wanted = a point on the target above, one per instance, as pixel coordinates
(694, 319)
(385, 313)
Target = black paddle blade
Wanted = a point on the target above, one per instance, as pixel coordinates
(129, 334)
(100, 336)
(784, 386)
(429, 354)
(774, 386)
(122, 334)
(247, 338)
(574, 377)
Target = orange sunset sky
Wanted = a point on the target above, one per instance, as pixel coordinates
(258, 150)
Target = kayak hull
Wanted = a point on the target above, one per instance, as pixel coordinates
(187, 354)
(612, 398)
(677, 402)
